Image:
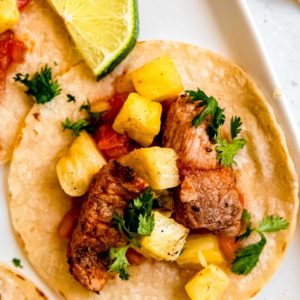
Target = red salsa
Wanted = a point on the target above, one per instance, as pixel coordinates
(22, 3)
(11, 51)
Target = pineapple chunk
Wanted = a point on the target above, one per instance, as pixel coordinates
(200, 250)
(166, 240)
(208, 284)
(155, 165)
(9, 14)
(101, 106)
(139, 118)
(158, 79)
(76, 169)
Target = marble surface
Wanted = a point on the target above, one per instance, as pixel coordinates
(279, 25)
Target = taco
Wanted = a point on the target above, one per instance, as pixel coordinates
(221, 222)
(39, 29)
(15, 286)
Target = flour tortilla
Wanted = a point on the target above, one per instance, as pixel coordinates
(15, 286)
(47, 42)
(265, 173)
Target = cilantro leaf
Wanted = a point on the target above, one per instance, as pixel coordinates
(90, 123)
(146, 225)
(226, 151)
(272, 224)
(197, 95)
(138, 218)
(247, 258)
(17, 263)
(41, 86)
(71, 98)
(235, 126)
(246, 219)
(118, 262)
(75, 127)
(211, 109)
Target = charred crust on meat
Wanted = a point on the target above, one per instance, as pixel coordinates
(123, 171)
(195, 208)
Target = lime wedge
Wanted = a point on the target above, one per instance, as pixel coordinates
(104, 31)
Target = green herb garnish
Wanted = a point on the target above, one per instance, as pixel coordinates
(211, 109)
(71, 98)
(89, 124)
(247, 258)
(226, 151)
(17, 263)
(138, 219)
(118, 261)
(41, 86)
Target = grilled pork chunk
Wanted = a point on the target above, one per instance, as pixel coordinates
(191, 144)
(208, 197)
(111, 190)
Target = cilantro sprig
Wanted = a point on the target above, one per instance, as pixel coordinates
(17, 263)
(41, 85)
(137, 221)
(119, 263)
(226, 150)
(90, 123)
(211, 109)
(247, 258)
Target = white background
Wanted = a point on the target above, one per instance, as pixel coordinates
(279, 25)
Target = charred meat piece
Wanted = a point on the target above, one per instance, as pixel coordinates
(209, 199)
(111, 190)
(191, 144)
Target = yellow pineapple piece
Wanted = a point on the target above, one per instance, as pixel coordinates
(75, 170)
(156, 165)
(9, 14)
(200, 250)
(139, 118)
(166, 240)
(208, 284)
(158, 79)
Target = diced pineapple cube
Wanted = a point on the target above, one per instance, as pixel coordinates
(166, 240)
(158, 79)
(9, 14)
(139, 118)
(75, 170)
(208, 284)
(155, 165)
(100, 106)
(200, 250)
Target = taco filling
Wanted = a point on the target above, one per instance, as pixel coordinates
(158, 178)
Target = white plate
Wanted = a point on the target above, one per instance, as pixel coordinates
(227, 28)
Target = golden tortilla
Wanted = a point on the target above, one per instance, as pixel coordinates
(265, 173)
(47, 42)
(15, 286)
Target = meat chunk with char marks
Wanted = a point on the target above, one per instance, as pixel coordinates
(191, 144)
(208, 197)
(110, 192)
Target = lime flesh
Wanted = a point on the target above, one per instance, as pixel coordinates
(104, 31)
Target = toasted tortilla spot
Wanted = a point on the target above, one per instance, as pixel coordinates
(284, 247)
(19, 276)
(40, 293)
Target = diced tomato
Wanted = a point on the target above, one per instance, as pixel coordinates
(22, 3)
(11, 51)
(134, 257)
(228, 246)
(68, 223)
(111, 143)
(116, 103)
